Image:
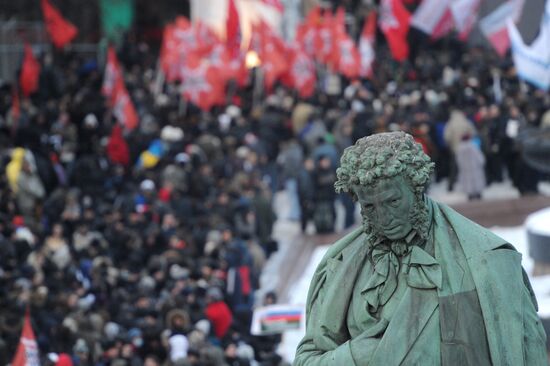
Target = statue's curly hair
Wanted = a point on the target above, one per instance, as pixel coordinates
(384, 155)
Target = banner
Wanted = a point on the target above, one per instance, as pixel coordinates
(275, 319)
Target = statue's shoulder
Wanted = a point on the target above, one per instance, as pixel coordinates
(474, 238)
(345, 244)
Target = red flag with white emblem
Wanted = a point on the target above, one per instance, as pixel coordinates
(117, 95)
(347, 60)
(202, 85)
(180, 42)
(366, 45)
(60, 30)
(27, 351)
(123, 108)
(112, 74)
(271, 50)
(301, 74)
(326, 38)
(394, 21)
(308, 31)
(343, 56)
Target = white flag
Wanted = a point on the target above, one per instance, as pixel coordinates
(465, 16)
(533, 62)
(493, 26)
(433, 17)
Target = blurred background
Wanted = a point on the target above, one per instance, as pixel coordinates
(168, 166)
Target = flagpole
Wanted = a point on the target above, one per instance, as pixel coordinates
(159, 80)
(182, 105)
(258, 86)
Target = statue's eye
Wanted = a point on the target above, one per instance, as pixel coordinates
(368, 206)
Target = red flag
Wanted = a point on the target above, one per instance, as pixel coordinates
(220, 59)
(232, 28)
(15, 105)
(325, 41)
(60, 30)
(123, 108)
(237, 69)
(113, 73)
(180, 42)
(27, 351)
(347, 60)
(394, 22)
(272, 50)
(366, 45)
(206, 38)
(201, 84)
(301, 74)
(30, 72)
(307, 32)
(117, 94)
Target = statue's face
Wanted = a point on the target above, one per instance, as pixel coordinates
(388, 206)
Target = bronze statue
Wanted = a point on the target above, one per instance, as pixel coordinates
(417, 284)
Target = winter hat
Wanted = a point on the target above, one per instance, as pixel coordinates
(111, 330)
(147, 185)
(171, 134)
(214, 293)
(203, 325)
(178, 273)
(90, 121)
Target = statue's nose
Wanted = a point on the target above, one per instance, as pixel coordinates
(384, 217)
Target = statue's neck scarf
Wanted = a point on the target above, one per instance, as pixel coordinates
(387, 257)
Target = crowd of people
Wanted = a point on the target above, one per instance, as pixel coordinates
(145, 247)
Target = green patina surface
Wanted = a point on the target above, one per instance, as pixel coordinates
(417, 284)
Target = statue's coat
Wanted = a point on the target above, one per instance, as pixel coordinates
(511, 330)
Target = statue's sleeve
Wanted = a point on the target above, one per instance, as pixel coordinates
(333, 352)
(308, 353)
(534, 337)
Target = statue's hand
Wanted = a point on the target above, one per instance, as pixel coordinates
(364, 345)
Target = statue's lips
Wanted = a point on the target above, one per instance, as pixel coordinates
(392, 230)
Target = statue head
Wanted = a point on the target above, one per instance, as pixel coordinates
(388, 174)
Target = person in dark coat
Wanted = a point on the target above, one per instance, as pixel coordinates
(324, 197)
